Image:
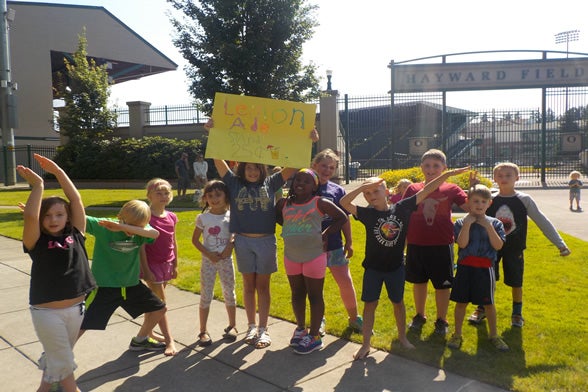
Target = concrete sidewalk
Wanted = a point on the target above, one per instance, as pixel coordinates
(105, 364)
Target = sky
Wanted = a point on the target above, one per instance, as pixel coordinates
(357, 41)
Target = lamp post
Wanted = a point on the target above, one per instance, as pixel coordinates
(329, 76)
(567, 37)
(6, 99)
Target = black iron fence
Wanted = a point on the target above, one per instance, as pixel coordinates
(24, 156)
(166, 115)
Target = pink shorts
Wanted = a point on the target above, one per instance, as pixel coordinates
(315, 268)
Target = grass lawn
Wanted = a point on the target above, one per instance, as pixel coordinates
(548, 354)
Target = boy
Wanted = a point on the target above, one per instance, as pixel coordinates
(429, 254)
(512, 208)
(386, 228)
(116, 266)
(478, 237)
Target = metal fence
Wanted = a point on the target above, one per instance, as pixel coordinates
(24, 156)
(166, 115)
(382, 136)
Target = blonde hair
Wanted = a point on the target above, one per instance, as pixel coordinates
(156, 184)
(373, 180)
(481, 190)
(327, 153)
(402, 183)
(434, 154)
(575, 173)
(135, 213)
(506, 165)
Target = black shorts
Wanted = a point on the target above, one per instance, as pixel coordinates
(473, 284)
(513, 266)
(434, 263)
(139, 299)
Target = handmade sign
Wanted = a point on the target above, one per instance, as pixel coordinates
(261, 130)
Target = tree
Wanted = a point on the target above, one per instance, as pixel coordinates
(246, 47)
(85, 89)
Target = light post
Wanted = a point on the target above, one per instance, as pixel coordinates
(7, 106)
(567, 37)
(329, 76)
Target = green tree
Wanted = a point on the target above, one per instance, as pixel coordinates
(85, 89)
(246, 47)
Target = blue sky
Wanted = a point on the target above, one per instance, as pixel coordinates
(357, 40)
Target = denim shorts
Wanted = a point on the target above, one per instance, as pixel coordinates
(336, 258)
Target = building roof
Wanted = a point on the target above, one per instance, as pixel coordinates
(128, 56)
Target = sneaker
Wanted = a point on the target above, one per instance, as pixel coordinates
(517, 320)
(297, 336)
(417, 322)
(455, 342)
(579, 209)
(564, 252)
(478, 315)
(322, 330)
(148, 344)
(499, 343)
(308, 344)
(356, 325)
(441, 327)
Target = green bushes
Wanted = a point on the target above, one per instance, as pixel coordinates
(122, 159)
(415, 175)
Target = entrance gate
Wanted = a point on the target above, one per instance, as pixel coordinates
(546, 141)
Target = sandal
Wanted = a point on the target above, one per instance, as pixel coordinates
(204, 339)
(263, 340)
(251, 336)
(230, 333)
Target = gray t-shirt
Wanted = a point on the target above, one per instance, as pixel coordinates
(252, 204)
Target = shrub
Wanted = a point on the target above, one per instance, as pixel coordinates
(415, 175)
(125, 159)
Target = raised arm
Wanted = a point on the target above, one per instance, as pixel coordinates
(431, 186)
(31, 210)
(147, 232)
(78, 214)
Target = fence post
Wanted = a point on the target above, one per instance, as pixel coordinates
(29, 156)
(138, 118)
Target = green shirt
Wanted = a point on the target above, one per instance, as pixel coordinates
(115, 262)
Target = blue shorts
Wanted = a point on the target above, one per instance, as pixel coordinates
(336, 258)
(256, 254)
(373, 281)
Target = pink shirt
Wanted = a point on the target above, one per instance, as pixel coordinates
(162, 250)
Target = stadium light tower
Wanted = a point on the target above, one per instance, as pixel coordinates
(567, 37)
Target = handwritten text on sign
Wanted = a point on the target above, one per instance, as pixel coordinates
(261, 130)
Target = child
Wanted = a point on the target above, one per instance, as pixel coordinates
(386, 228)
(253, 222)
(575, 185)
(478, 237)
(399, 190)
(200, 174)
(305, 261)
(116, 267)
(159, 260)
(429, 254)
(216, 247)
(325, 164)
(512, 208)
(53, 236)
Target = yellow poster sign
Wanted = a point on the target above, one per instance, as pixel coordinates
(261, 130)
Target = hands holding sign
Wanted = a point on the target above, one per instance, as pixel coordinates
(261, 130)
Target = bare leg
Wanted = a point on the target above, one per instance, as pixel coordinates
(491, 316)
(459, 315)
(170, 349)
(442, 302)
(346, 289)
(262, 287)
(298, 288)
(314, 288)
(369, 314)
(400, 316)
(419, 291)
(249, 296)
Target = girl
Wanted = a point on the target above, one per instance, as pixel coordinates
(398, 190)
(253, 223)
(325, 164)
(216, 247)
(305, 260)
(53, 236)
(575, 185)
(159, 259)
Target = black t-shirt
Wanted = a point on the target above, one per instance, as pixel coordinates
(60, 268)
(385, 233)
